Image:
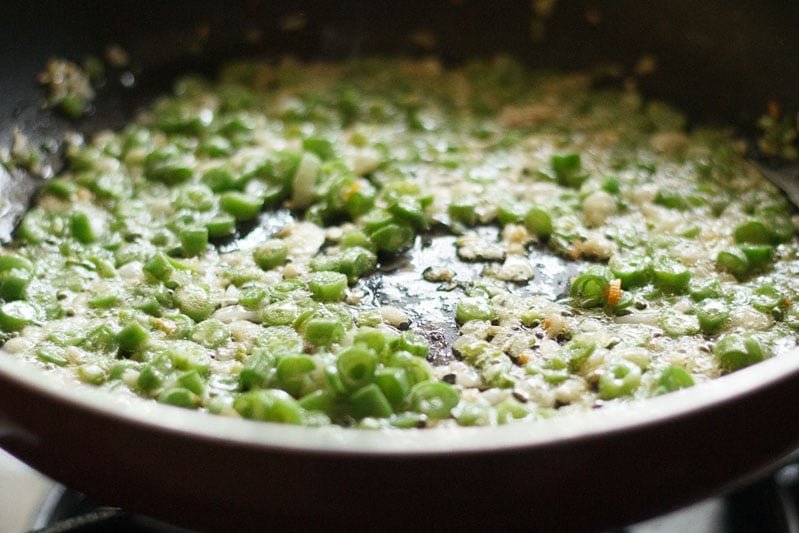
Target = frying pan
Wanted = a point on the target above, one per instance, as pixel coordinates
(722, 61)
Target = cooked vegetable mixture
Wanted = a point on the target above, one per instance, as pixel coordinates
(393, 243)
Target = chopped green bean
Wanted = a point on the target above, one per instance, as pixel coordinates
(435, 399)
(370, 401)
(328, 286)
(270, 254)
(673, 378)
(269, 405)
(356, 366)
(323, 331)
(736, 351)
(620, 380)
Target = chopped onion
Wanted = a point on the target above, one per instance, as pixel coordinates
(305, 180)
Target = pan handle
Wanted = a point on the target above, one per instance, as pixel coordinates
(14, 437)
(786, 178)
(17, 189)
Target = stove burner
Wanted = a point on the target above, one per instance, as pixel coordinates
(768, 505)
(67, 511)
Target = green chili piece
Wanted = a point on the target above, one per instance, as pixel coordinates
(370, 401)
(150, 379)
(158, 267)
(281, 313)
(673, 199)
(195, 196)
(82, 228)
(221, 225)
(321, 400)
(293, 374)
(50, 353)
(323, 331)
(180, 397)
(769, 300)
(169, 165)
(323, 148)
(576, 352)
(474, 414)
(188, 355)
(611, 185)
(412, 343)
(712, 313)
(782, 228)
(353, 262)
(620, 380)
(734, 261)
(753, 231)
(132, 336)
(409, 211)
(633, 270)
(708, 288)
(673, 378)
(510, 212)
(474, 308)
(670, 275)
(678, 324)
(60, 187)
(511, 409)
(328, 286)
(66, 336)
(91, 373)
(394, 384)
(241, 206)
(355, 238)
(376, 219)
(393, 238)
(333, 379)
(14, 261)
(463, 211)
(195, 302)
(193, 241)
(538, 222)
(373, 338)
(568, 170)
(360, 198)
(435, 399)
(13, 282)
(191, 380)
(214, 146)
(178, 326)
(409, 420)
(759, 257)
(590, 288)
(210, 333)
(147, 303)
(270, 254)
(252, 296)
(101, 339)
(104, 301)
(736, 351)
(356, 366)
(269, 405)
(258, 369)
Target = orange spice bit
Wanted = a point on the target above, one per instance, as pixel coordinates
(547, 323)
(355, 187)
(774, 109)
(613, 292)
(786, 302)
(524, 359)
(576, 250)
